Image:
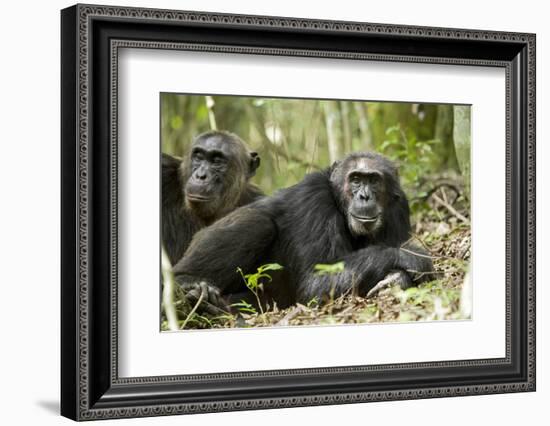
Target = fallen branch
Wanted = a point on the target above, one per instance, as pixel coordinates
(442, 185)
(451, 209)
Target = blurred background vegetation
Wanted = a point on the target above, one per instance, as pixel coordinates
(430, 143)
(297, 136)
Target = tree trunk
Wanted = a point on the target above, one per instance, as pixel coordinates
(461, 136)
(444, 133)
(331, 121)
(346, 127)
(362, 118)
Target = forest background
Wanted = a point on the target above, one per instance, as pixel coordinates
(430, 143)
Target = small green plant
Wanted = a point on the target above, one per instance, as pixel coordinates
(255, 282)
(328, 269)
(313, 303)
(430, 301)
(245, 307)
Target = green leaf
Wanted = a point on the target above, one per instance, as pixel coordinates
(393, 129)
(313, 302)
(244, 306)
(252, 281)
(323, 269)
(270, 267)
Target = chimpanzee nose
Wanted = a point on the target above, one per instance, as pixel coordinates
(200, 174)
(363, 196)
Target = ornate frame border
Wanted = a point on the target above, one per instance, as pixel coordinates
(86, 403)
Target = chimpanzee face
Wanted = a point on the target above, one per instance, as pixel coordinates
(210, 162)
(362, 183)
(218, 167)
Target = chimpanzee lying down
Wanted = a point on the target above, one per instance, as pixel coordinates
(354, 211)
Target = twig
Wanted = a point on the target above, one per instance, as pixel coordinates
(464, 252)
(423, 244)
(421, 274)
(442, 185)
(444, 194)
(425, 256)
(297, 310)
(199, 301)
(168, 292)
(417, 238)
(451, 209)
(332, 302)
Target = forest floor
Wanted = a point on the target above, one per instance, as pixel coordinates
(443, 229)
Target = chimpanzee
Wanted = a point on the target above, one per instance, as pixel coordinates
(354, 211)
(211, 181)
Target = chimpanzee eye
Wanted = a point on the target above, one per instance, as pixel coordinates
(198, 156)
(355, 180)
(217, 160)
(375, 179)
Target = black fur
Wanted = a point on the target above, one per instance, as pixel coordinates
(181, 220)
(300, 227)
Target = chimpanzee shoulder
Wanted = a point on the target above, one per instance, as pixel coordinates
(309, 221)
(250, 194)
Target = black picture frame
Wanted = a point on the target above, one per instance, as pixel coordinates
(90, 386)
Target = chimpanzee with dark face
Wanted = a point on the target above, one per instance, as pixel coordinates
(355, 212)
(211, 181)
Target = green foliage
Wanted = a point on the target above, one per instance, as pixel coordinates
(414, 158)
(433, 297)
(176, 122)
(245, 307)
(313, 303)
(298, 136)
(254, 281)
(327, 269)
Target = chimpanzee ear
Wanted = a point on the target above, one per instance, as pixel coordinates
(333, 168)
(254, 163)
(396, 187)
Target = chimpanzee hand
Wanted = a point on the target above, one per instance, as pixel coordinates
(208, 297)
(398, 277)
(416, 262)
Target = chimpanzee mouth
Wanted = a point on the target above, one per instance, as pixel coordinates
(196, 198)
(365, 219)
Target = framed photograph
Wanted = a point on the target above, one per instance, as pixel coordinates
(263, 212)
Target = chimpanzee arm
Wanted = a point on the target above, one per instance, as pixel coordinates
(419, 264)
(239, 240)
(363, 269)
